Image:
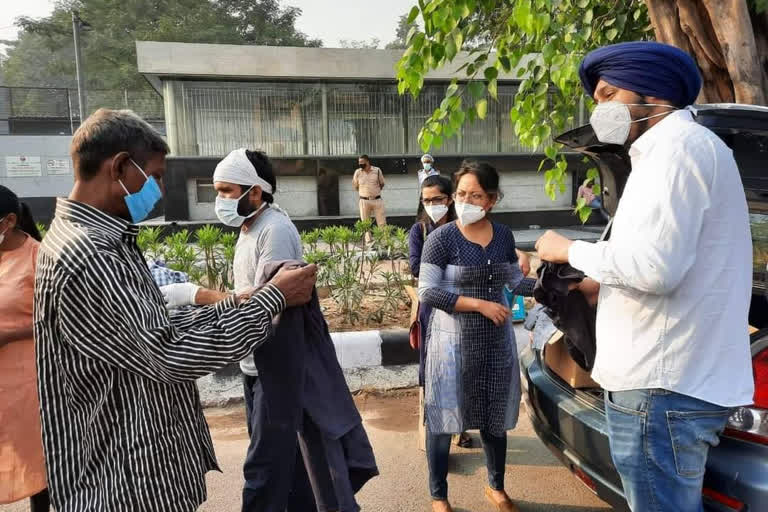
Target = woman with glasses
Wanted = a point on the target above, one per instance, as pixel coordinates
(471, 375)
(22, 468)
(435, 209)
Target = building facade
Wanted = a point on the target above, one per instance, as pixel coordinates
(313, 111)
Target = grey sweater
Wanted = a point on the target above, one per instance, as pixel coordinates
(271, 237)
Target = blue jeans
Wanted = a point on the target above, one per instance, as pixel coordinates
(659, 443)
(438, 449)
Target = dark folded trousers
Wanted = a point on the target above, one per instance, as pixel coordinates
(266, 460)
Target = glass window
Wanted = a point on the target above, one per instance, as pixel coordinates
(419, 110)
(365, 118)
(204, 191)
(281, 119)
(489, 135)
(287, 119)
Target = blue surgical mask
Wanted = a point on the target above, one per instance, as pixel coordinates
(427, 166)
(141, 203)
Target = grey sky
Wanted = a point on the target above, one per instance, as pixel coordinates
(12, 9)
(330, 20)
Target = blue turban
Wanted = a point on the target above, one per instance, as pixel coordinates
(644, 67)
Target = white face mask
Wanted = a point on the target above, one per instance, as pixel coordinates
(226, 210)
(612, 120)
(469, 213)
(427, 166)
(436, 211)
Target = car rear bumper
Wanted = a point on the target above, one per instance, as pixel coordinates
(538, 387)
(580, 468)
(735, 469)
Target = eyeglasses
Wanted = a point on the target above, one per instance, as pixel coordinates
(429, 201)
(462, 196)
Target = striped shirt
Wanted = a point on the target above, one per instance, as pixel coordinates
(123, 428)
(369, 183)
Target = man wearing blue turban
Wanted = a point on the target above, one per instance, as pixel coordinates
(672, 283)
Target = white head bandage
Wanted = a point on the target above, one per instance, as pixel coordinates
(237, 169)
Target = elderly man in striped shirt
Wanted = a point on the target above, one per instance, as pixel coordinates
(123, 428)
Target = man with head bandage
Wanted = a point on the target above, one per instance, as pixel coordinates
(246, 184)
(672, 283)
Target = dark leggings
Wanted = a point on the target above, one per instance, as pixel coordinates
(438, 448)
(40, 502)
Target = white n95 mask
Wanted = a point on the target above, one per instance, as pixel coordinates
(469, 213)
(612, 120)
(436, 211)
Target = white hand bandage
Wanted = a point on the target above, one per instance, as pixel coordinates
(179, 294)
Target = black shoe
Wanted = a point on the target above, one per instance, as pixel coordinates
(465, 440)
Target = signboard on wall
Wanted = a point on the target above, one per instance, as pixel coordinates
(57, 166)
(23, 166)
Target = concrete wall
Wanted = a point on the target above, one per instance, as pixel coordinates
(400, 195)
(50, 149)
(523, 191)
(297, 195)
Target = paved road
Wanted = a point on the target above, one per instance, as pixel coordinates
(534, 478)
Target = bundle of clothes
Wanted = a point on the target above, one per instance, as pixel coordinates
(562, 308)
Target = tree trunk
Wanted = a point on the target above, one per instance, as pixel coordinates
(697, 26)
(719, 35)
(760, 25)
(733, 28)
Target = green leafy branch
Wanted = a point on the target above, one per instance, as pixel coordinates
(538, 42)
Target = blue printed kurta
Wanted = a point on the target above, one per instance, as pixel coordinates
(472, 374)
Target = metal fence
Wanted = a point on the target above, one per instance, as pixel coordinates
(58, 108)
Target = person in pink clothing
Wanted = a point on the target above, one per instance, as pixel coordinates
(586, 192)
(22, 471)
(590, 198)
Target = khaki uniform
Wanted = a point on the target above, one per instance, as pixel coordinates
(369, 185)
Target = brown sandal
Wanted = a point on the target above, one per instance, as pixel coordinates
(502, 506)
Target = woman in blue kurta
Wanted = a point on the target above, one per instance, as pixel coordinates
(472, 375)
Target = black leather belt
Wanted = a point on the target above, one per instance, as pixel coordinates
(370, 198)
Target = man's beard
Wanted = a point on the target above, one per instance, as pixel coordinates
(244, 207)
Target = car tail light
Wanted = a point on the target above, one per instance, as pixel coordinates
(751, 423)
(731, 503)
(585, 479)
(760, 367)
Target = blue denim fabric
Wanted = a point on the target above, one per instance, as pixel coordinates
(438, 448)
(659, 442)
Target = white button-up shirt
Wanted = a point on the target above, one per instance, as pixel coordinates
(676, 273)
